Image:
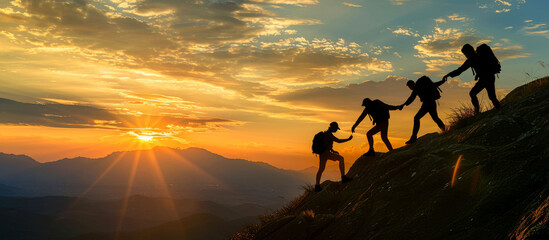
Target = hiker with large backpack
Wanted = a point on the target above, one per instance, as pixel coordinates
(485, 66)
(428, 92)
(379, 113)
(323, 146)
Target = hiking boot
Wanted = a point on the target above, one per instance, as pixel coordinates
(318, 188)
(345, 179)
(412, 140)
(370, 152)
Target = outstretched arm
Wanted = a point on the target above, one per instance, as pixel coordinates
(337, 140)
(411, 98)
(391, 107)
(458, 71)
(440, 82)
(360, 118)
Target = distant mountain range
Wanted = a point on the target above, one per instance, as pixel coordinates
(163, 172)
(195, 227)
(68, 217)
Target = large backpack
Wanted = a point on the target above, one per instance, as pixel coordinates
(487, 60)
(319, 143)
(377, 111)
(426, 89)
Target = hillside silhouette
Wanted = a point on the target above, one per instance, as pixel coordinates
(499, 189)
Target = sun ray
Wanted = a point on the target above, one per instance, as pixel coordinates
(193, 166)
(131, 179)
(164, 186)
(103, 174)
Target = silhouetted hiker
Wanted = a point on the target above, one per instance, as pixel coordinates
(485, 66)
(379, 113)
(428, 93)
(323, 146)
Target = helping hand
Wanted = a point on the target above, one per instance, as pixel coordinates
(351, 137)
(445, 78)
(353, 130)
(400, 107)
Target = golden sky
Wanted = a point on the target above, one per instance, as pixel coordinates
(252, 79)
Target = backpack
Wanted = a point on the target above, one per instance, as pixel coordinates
(377, 111)
(487, 60)
(319, 145)
(427, 90)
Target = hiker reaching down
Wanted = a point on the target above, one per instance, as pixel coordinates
(323, 146)
(428, 93)
(379, 113)
(485, 66)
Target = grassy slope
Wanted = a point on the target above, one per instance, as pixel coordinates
(500, 191)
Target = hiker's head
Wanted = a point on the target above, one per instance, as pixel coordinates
(468, 50)
(366, 102)
(333, 127)
(411, 84)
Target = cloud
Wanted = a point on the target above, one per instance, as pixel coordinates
(443, 47)
(203, 41)
(84, 25)
(398, 2)
(457, 17)
(405, 32)
(59, 115)
(535, 29)
(352, 5)
(504, 3)
(503, 10)
(349, 97)
(288, 2)
(501, 6)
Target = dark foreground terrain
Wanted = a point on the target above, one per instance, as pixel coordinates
(500, 189)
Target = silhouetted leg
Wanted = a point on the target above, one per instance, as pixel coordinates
(337, 157)
(434, 116)
(473, 94)
(422, 111)
(370, 134)
(322, 165)
(491, 89)
(384, 130)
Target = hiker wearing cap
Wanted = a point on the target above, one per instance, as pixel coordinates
(485, 66)
(379, 113)
(323, 146)
(428, 93)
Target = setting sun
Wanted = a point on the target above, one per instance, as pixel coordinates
(144, 138)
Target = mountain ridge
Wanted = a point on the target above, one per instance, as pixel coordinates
(161, 171)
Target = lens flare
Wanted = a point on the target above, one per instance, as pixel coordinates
(456, 170)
